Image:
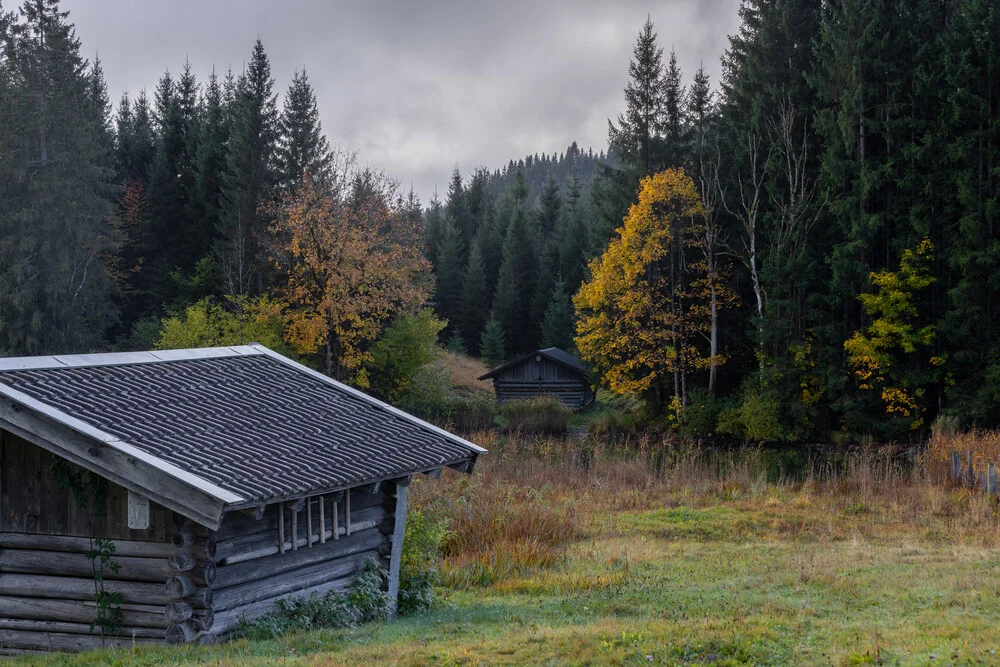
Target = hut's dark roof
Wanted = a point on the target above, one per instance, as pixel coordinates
(244, 420)
(553, 354)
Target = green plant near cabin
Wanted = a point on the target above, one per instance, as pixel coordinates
(90, 492)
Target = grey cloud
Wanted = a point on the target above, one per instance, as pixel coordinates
(419, 87)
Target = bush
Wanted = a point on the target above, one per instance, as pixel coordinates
(365, 602)
(418, 572)
(614, 425)
(545, 414)
(701, 414)
(757, 416)
(427, 394)
(233, 322)
(406, 345)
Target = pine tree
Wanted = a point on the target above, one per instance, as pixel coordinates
(250, 178)
(135, 140)
(475, 297)
(303, 148)
(559, 323)
(492, 344)
(516, 282)
(572, 238)
(434, 224)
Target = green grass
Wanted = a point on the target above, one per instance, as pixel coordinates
(714, 584)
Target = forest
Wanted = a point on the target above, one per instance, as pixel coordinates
(804, 250)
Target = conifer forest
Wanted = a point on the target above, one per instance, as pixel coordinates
(807, 248)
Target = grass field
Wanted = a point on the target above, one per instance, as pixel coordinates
(564, 554)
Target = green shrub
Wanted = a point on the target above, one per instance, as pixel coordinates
(365, 602)
(545, 414)
(427, 394)
(757, 416)
(418, 571)
(701, 414)
(614, 425)
(405, 346)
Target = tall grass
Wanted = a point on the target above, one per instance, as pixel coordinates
(533, 497)
(544, 414)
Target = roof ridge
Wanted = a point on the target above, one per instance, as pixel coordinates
(123, 358)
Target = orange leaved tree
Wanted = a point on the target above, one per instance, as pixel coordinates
(644, 308)
(350, 252)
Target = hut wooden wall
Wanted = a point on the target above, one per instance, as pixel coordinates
(253, 574)
(537, 378)
(180, 582)
(46, 580)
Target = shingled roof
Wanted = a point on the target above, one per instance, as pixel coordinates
(553, 354)
(242, 425)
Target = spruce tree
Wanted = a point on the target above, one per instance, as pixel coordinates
(434, 225)
(448, 272)
(493, 344)
(572, 238)
(55, 293)
(249, 179)
(673, 114)
(559, 323)
(636, 138)
(303, 148)
(475, 297)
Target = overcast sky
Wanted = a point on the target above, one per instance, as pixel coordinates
(418, 87)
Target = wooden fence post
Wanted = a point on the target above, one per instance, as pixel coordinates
(991, 479)
(972, 473)
(955, 465)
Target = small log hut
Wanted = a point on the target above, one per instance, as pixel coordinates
(236, 478)
(550, 371)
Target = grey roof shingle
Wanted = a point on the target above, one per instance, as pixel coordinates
(250, 424)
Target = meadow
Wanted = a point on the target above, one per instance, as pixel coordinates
(651, 551)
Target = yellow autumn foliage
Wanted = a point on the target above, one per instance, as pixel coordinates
(635, 318)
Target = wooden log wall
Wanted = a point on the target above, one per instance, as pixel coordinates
(539, 378)
(47, 593)
(189, 585)
(296, 550)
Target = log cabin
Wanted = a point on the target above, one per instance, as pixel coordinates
(550, 371)
(234, 478)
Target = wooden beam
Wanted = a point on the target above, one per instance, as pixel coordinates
(398, 532)
(322, 520)
(112, 464)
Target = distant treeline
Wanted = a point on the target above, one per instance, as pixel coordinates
(849, 166)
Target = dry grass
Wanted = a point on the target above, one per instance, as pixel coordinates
(982, 445)
(463, 371)
(531, 497)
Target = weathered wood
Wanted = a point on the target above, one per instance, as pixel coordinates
(53, 562)
(60, 641)
(281, 528)
(71, 611)
(201, 598)
(79, 588)
(397, 548)
(82, 544)
(76, 628)
(226, 621)
(265, 551)
(956, 465)
(347, 514)
(110, 463)
(299, 579)
(182, 561)
(178, 611)
(322, 520)
(180, 586)
(991, 474)
(232, 575)
(138, 511)
(182, 633)
(202, 619)
(336, 522)
(309, 524)
(295, 529)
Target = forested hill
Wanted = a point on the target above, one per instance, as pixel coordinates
(573, 163)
